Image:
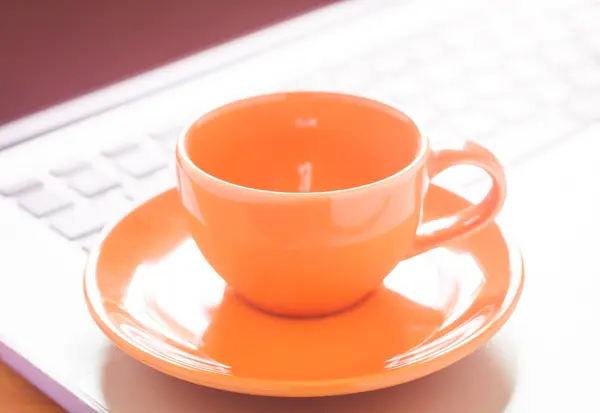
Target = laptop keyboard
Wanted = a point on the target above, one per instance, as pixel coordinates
(514, 80)
(76, 198)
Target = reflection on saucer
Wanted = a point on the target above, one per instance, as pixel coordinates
(184, 302)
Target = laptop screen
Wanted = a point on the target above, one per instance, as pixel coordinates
(56, 51)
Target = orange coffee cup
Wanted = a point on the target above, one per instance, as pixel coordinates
(304, 202)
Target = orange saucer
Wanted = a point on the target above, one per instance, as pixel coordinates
(151, 292)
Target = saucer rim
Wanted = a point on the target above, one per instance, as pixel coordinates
(304, 388)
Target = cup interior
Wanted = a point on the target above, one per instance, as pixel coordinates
(303, 142)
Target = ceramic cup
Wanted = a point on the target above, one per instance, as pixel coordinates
(304, 202)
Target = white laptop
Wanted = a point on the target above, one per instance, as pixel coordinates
(520, 77)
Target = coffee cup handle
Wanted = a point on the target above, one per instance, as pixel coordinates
(474, 217)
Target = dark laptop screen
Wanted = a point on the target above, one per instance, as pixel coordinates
(53, 51)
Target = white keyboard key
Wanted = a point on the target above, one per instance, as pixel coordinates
(90, 217)
(44, 202)
(11, 186)
(69, 167)
(153, 184)
(91, 182)
(140, 162)
(119, 148)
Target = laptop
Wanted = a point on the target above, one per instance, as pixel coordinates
(519, 77)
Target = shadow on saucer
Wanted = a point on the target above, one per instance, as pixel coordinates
(480, 383)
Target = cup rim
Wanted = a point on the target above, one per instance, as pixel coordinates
(182, 155)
